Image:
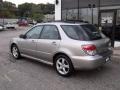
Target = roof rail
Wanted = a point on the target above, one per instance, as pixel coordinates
(71, 21)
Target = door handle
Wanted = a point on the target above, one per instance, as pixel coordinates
(54, 43)
(33, 41)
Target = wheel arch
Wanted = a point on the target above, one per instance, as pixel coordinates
(60, 53)
(72, 69)
(11, 46)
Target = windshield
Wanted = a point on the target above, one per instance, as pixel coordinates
(92, 32)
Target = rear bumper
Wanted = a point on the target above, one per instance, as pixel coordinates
(90, 62)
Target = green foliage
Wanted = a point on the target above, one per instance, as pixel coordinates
(25, 9)
(8, 10)
(35, 11)
(38, 17)
(46, 8)
(30, 10)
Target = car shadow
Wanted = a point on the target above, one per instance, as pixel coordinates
(84, 74)
(98, 72)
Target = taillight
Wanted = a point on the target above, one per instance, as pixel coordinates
(89, 49)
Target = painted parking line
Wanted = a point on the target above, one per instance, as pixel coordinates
(8, 78)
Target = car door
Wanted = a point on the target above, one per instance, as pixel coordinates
(48, 43)
(28, 45)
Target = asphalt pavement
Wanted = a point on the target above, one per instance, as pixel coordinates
(27, 74)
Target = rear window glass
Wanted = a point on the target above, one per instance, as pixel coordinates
(92, 32)
(74, 32)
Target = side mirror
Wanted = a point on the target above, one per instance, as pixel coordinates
(22, 36)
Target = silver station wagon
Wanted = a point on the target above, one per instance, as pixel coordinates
(66, 46)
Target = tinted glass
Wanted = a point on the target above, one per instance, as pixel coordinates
(50, 32)
(92, 32)
(74, 32)
(34, 33)
(118, 18)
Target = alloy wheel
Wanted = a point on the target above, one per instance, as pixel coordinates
(62, 66)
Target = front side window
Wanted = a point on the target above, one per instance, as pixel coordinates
(34, 33)
(50, 32)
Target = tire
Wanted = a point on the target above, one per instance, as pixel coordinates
(63, 65)
(15, 52)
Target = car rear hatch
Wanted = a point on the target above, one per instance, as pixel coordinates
(96, 38)
(93, 40)
(102, 45)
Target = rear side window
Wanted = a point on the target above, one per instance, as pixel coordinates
(92, 32)
(74, 32)
(50, 32)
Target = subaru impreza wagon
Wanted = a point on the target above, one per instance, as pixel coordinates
(66, 46)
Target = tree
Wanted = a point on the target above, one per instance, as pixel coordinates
(29, 10)
(38, 17)
(35, 11)
(8, 10)
(46, 8)
(25, 9)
